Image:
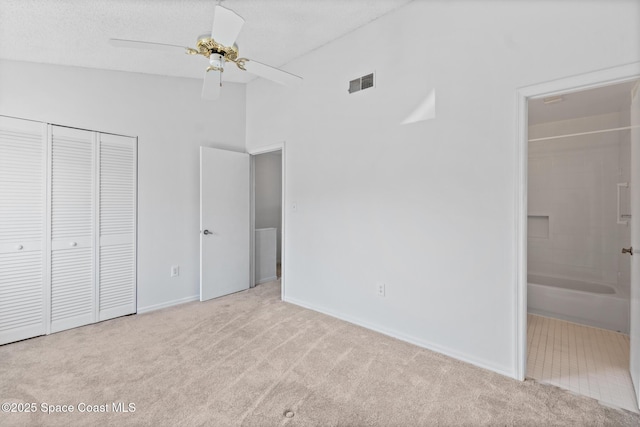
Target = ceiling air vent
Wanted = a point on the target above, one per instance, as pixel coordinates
(362, 83)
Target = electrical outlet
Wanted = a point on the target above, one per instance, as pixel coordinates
(380, 289)
(175, 270)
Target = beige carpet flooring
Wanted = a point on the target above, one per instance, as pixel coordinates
(248, 358)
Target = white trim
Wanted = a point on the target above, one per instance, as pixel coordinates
(135, 225)
(266, 149)
(481, 363)
(280, 146)
(200, 224)
(581, 82)
(566, 85)
(267, 280)
(252, 221)
(283, 218)
(47, 232)
(521, 211)
(167, 304)
(96, 144)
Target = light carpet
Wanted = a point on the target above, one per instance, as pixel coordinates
(248, 358)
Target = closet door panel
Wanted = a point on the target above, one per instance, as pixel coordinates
(72, 291)
(22, 229)
(117, 225)
(72, 225)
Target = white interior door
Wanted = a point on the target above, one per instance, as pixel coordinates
(635, 242)
(224, 222)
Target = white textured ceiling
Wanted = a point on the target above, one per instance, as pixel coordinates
(603, 100)
(76, 32)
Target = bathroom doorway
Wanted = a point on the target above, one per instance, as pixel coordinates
(267, 215)
(577, 220)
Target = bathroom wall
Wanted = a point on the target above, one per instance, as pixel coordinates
(573, 183)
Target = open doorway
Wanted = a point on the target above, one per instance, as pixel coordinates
(267, 216)
(575, 282)
(578, 220)
(228, 243)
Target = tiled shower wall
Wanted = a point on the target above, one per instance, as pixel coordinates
(573, 185)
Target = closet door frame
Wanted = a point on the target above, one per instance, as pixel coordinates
(46, 136)
(46, 228)
(96, 227)
(47, 236)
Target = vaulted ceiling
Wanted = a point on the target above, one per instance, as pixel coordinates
(76, 32)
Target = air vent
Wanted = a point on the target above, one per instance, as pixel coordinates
(362, 83)
(354, 85)
(367, 81)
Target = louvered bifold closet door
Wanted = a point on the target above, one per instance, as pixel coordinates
(22, 229)
(117, 225)
(72, 228)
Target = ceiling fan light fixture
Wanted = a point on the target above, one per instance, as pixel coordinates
(216, 62)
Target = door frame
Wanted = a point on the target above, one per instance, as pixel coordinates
(280, 146)
(565, 85)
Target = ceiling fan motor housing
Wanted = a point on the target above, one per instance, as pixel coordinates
(207, 46)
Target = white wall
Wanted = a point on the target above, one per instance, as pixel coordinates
(573, 182)
(427, 208)
(170, 121)
(268, 193)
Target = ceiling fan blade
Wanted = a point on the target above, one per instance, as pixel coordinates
(226, 26)
(212, 85)
(271, 73)
(136, 44)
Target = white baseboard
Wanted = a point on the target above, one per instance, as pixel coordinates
(484, 364)
(167, 304)
(268, 279)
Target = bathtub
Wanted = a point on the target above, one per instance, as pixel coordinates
(586, 303)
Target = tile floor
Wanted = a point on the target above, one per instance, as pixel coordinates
(589, 361)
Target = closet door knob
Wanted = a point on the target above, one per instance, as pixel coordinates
(19, 247)
(73, 244)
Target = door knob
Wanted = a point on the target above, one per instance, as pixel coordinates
(207, 232)
(628, 251)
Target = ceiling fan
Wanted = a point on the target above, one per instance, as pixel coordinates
(219, 47)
